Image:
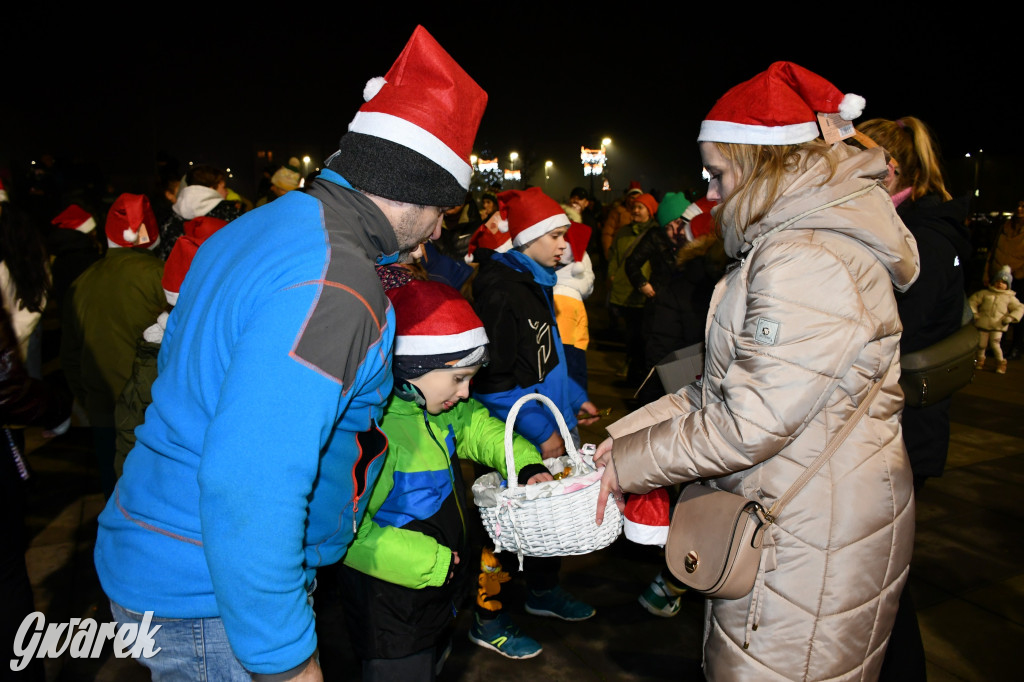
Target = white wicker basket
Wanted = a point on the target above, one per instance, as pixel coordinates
(557, 525)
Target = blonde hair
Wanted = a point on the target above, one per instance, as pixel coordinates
(909, 141)
(761, 170)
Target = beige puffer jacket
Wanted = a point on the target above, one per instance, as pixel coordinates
(795, 338)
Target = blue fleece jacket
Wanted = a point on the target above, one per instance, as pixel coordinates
(256, 456)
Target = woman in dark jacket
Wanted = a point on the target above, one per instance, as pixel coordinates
(24, 401)
(930, 310)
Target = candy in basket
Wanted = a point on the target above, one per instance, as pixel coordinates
(555, 518)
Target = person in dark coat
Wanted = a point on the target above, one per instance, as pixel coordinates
(29, 402)
(203, 193)
(930, 310)
(674, 317)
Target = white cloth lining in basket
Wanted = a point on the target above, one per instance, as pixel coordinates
(555, 518)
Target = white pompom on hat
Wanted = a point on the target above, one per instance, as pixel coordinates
(530, 214)
(776, 107)
(646, 518)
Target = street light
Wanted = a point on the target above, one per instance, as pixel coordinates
(512, 158)
(547, 169)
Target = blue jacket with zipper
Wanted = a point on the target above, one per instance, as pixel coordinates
(256, 457)
(401, 585)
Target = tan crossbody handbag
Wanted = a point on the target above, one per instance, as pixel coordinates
(715, 537)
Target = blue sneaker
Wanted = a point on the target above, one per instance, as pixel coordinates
(557, 603)
(502, 635)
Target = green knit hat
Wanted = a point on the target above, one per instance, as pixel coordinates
(671, 207)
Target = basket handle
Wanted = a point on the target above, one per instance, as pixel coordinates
(570, 446)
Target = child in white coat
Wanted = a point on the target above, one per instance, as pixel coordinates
(995, 308)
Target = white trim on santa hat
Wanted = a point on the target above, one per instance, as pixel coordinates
(743, 133)
(401, 131)
(87, 226)
(540, 229)
(643, 534)
(692, 211)
(423, 344)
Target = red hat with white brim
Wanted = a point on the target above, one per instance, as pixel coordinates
(577, 237)
(531, 214)
(646, 518)
(131, 223)
(412, 139)
(74, 217)
(777, 107)
(699, 221)
(433, 318)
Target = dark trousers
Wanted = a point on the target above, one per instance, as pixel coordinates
(17, 601)
(417, 667)
(634, 320)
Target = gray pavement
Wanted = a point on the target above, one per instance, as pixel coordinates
(967, 577)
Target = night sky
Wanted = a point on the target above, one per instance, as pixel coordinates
(207, 85)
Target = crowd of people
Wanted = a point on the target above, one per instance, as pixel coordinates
(266, 408)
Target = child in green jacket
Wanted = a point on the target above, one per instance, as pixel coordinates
(411, 563)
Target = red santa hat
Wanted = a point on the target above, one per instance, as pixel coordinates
(3, 193)
(777, 107)
(646, 518)
(483, 237)
(179, 260)
(412, 139)
(700, 221)
(74, 217)
(577, 238)
(531, 214)
(131, 223)
(435, 328)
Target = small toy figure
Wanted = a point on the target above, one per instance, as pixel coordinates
(995, 308)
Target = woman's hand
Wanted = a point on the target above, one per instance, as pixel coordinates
(647, 290)
(603, 454)
(609, 486)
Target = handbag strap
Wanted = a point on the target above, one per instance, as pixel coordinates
(820, 460)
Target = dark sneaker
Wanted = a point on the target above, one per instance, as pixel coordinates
(557, 603)
(502, 635)
(659, 599)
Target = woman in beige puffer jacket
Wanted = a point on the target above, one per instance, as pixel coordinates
(797, 335)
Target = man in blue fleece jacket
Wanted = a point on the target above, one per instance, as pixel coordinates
(256, 458)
